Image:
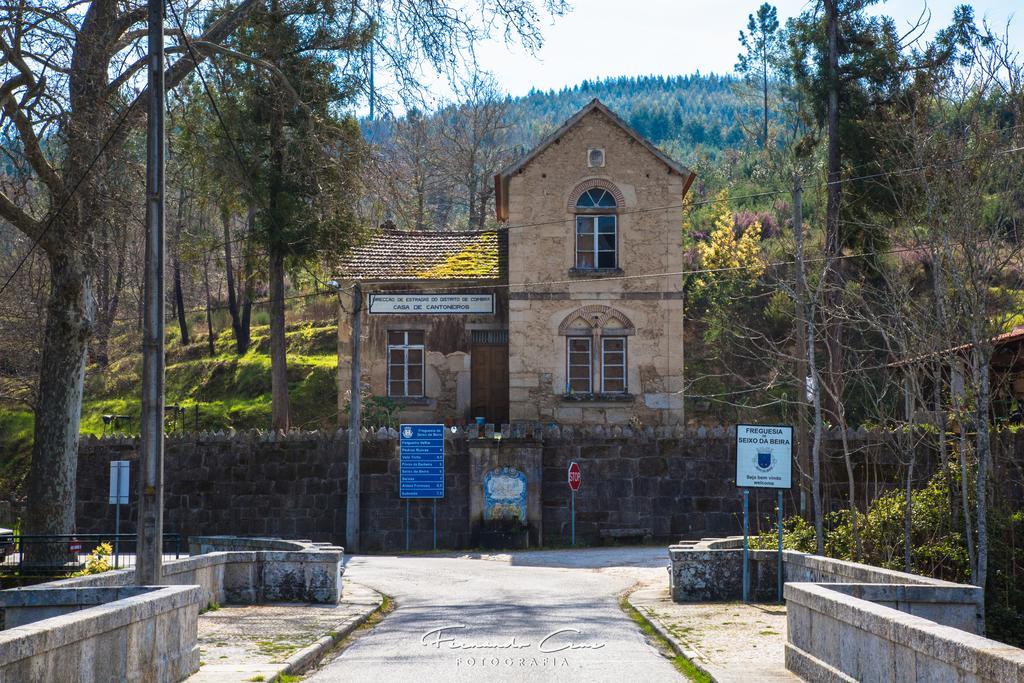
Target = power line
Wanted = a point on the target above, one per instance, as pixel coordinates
(684, 273)
(768, 193)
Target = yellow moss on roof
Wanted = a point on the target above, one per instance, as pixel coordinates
(479, 259)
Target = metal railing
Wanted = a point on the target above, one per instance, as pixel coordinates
(59, 555)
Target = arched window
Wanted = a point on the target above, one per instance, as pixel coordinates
(596, 198)
(597, 239)
(595, 352)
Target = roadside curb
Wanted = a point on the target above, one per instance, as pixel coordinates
(310, 655)
(678, 646)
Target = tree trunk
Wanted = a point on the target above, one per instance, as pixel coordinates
(983, 449)
(179, 304)
(239, 322)
(851, 489)
(210, 337)
(802, 457)
(51, 480)
(764, 86)
(421, 207)
(471, 194)
(109, 297)
(907, 448)
(179, 297)
(276, 249)
(908, 517)
(819, 522)
(957, 390)
(248, 277)
(833, 237)
(278, 351)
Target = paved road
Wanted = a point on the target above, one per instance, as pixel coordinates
(547, 615)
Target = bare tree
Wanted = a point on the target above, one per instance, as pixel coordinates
(475, 143)
(70, 76)
(68, 85)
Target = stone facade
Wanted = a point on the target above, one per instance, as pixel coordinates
(447, 358)
(622, 294)
(551, 299)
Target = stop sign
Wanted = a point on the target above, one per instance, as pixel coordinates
(575, 478)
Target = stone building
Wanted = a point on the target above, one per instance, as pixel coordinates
(579, 310)
(430, 360)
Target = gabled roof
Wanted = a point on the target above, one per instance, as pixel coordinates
(395, 255)
(501, 179)
(576, 118)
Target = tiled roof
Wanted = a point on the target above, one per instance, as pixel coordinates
(429, 255)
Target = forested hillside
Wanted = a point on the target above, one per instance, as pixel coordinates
(681, 112)
(435, 168)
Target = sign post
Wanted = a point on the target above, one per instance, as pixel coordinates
(575, 479)
(119, 475)
(779, 563)
(421, 471)
(764, 459)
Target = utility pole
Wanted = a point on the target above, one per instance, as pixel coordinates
(149, 549)
(354, 427)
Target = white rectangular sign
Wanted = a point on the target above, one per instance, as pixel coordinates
(431, 304)
(764, 456)
(119, 470)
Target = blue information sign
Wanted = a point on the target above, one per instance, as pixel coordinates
(422, 461)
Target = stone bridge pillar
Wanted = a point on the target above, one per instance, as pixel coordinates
(505, 478)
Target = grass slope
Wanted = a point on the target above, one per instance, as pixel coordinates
(230, 391)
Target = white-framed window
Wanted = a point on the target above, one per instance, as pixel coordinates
(597, 239)
(582, 372)
(613, 365)
(580, 366)
(596, 242)
(595, 157)
(405, 363)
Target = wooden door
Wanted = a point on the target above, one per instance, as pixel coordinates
(489, 376)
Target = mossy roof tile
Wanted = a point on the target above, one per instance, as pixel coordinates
(429, 255)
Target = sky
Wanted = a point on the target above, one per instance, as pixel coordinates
(600, 38)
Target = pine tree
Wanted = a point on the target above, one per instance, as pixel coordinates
(763, 47)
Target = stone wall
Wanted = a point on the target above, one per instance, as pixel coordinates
(835, 634)
(149, 636)
(713, 570)
(101, 627)
(853, 622)
(674, 483)
(309, 572)
(269, 485)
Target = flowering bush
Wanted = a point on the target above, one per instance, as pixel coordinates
(98, 561)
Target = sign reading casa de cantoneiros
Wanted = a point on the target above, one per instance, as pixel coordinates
(764, 456)
(431, 304)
